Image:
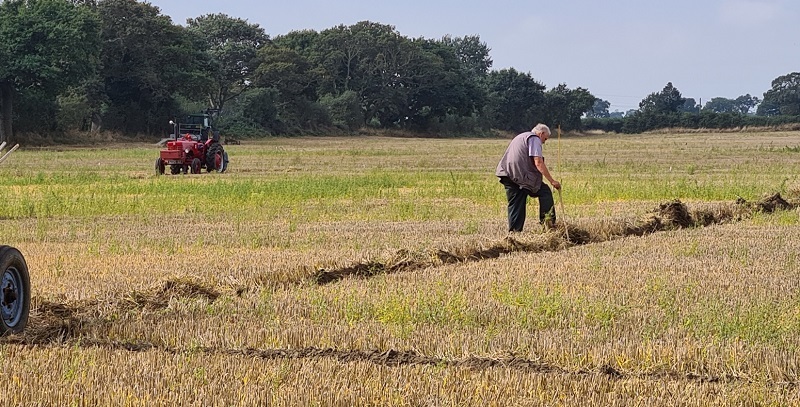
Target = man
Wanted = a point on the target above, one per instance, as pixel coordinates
(521, 171)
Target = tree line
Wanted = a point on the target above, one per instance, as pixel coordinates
(122, 66)
(669, 109)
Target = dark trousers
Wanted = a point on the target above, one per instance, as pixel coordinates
(518, 199)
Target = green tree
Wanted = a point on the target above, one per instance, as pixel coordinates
(231, 45)
(441, 85)
(398, 82)
(720, 105)
(255, 112)
(689, 106)
(304, 42)
(669, 100)
(599, 109)
(293, 78)
(147, 62)
(769, 107)
(742, 104)
(784, 96)
(344, 110)
(472, 53)
(565, 106)
(45, 46)
(516, 100)
(746, 103)
(341, 52)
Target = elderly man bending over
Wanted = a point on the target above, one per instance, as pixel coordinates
(521, 171)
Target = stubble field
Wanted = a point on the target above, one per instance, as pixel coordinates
(378, 271)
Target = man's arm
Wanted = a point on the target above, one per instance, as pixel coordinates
(542, 167)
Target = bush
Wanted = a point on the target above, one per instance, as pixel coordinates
(344, 110)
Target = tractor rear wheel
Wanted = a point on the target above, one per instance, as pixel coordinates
(15, 291)
(216, 158)
(196, 166)
(160, 167)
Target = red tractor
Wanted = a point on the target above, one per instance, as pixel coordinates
(192, 147)
(15, 283)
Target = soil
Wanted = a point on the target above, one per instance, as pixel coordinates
(675, 215)
(773, 203)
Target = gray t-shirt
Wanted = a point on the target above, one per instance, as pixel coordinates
(535, 147)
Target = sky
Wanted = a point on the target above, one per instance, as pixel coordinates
(620, 50)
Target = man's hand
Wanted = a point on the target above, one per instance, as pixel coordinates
(538, 162)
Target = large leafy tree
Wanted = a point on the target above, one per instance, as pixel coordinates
(472, 53)
(599, 109)
(304, 42)
(440, 85)
(232, 46)
(669, 100)
(783, 97)
(516, 100)
(689, 106)
(147, 62)
(45, 46)
(373, 60)
(746, 103)
(285, 70)
(742, 104)
(293, 79)
(720, 105)
(565, 106)
(342, 53)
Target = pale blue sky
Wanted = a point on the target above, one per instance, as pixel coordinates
(621, 50)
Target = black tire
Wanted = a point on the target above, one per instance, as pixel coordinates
(160, 167)
(216, 158)
(224, 161)
(196, 166)
(175, 169)
(15, 291)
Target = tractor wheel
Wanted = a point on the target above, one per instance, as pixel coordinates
(15, 291)
(160, 167)
(175, 169)
(196, 166)
(216, 159)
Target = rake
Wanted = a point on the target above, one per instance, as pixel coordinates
(560, 199)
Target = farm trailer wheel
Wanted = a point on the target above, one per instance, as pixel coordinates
(15, 291)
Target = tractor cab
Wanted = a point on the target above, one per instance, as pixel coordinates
(196, 125)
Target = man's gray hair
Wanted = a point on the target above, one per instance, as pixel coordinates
(541, 128)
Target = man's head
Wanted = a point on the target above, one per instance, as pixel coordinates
(542, 131)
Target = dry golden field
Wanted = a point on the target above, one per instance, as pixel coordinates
(378, 271)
